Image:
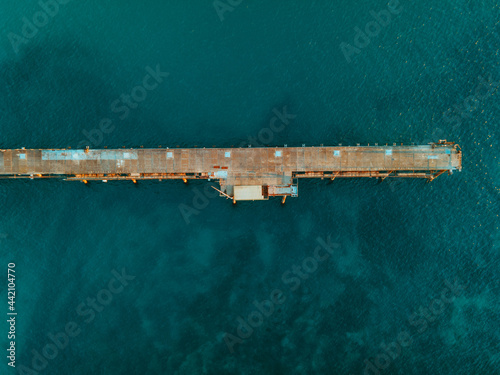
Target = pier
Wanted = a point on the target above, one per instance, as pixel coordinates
(243, 173)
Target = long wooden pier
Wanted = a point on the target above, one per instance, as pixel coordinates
(243, 173)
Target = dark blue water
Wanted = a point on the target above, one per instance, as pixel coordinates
(113, 279)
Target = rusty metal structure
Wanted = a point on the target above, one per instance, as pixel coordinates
(243, 173)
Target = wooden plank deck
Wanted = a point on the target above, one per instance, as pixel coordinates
(243, 162)
(277, 166)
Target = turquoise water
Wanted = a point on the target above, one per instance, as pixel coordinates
(431, 73)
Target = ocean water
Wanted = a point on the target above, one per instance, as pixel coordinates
(115, 279)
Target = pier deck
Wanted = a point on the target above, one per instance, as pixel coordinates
(276, 169)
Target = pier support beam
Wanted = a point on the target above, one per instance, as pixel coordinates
(224, 194)
(388, 174)
(336, 174)
(436, 175)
